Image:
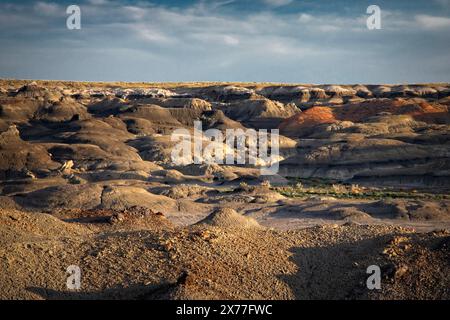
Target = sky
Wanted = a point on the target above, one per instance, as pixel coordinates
(287, 41)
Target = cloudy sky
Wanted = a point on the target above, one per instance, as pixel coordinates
(296, 41)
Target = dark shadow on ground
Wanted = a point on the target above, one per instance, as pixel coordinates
(134, 292)
(336, 272)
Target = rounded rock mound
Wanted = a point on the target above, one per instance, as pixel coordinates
(229, 218)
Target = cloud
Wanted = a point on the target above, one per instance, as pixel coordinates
(327, 23)
(277, 3)
(208, 38)
(433, 22)
(216, 40)
(98, 2)
(206, 6)
(443, 3)
(149, 34)
(329, 28)
(133, 12)
(230, 40)
(305, 18)
(49, 9)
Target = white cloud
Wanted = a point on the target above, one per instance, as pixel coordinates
(331, 23)
(328, 28)
(149, 34)
(133, 12)
(98, 2)
(206, 6)
(48, 9)
(433, 22)
(277, 3)
(206, 41)
(230, 40)
(305, 18)
(214, 39)
(444, 3)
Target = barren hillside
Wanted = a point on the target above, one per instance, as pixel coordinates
(87, 179)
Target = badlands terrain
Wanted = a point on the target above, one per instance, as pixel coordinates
(87, 179)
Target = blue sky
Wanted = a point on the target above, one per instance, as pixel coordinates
(296, 41)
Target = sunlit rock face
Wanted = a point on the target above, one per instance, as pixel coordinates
(342, 132)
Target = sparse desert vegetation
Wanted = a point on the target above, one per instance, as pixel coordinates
(318, 187)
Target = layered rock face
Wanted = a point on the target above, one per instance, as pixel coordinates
(396, 141)
(382, 134)
(86, 176)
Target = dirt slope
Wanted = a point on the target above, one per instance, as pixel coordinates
(154, 260)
